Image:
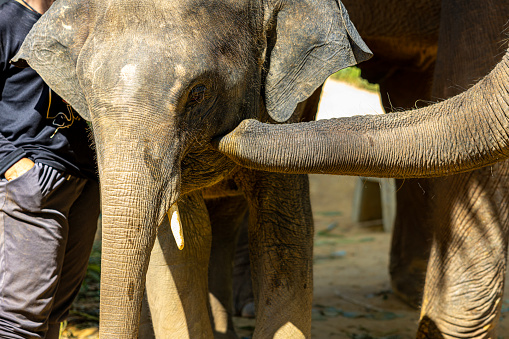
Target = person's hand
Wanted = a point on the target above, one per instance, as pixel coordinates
(18, 169)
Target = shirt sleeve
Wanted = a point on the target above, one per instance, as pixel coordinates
(9, 154)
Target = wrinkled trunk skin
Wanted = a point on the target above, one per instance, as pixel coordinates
(466, 273)
(137, 189)
(465, 281)
(453, 136)
(129, 228)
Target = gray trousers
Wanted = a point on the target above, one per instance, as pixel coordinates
(47, 226)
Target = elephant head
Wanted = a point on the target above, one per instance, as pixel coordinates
(463, 133)
(158, 80)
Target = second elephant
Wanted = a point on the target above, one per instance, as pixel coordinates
(466, 132)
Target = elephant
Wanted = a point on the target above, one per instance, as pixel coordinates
(453, 43)
(458, 43)
(158, 80)
(424, 52)
(403, 36)
(458, 135)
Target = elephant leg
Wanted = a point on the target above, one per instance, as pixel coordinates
(281, 245)
(226, 215)
(243, 299)
(466, 271)
(146, 330)
(177, 283)
(411, 239)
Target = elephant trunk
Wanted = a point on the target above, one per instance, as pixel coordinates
(137, 189)
(466, 132)
(131, 214)
(125, 244)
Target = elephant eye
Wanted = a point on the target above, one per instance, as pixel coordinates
(197, 94)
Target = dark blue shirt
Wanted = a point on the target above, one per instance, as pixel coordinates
(34, 121)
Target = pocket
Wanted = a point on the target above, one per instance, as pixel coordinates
(49, 179)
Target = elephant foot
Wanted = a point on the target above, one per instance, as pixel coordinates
(428, 330)
(408, 286)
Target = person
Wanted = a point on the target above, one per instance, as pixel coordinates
(49, 194)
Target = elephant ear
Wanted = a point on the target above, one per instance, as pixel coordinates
(310, 40)
(52, 48)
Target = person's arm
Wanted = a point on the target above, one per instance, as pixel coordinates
(13, 160)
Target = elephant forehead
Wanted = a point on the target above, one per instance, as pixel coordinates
(128, 73)
(135, 63)
(218, 28)
(140, 67)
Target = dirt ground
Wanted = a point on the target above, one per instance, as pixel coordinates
(352, 293)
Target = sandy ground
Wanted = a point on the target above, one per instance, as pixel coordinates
(352, 294)
(342, 100)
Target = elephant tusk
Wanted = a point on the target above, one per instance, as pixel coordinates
(176, 226)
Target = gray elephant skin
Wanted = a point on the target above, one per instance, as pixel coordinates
(424, 52)
(461, 134)
(158, 80)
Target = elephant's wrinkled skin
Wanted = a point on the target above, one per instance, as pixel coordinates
(466, 132)
(442, 48)
(428, 51)
(158, 80)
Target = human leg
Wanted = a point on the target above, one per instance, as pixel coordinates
(33, 234)
(83, 217)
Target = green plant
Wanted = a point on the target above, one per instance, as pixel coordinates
(352, 76)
